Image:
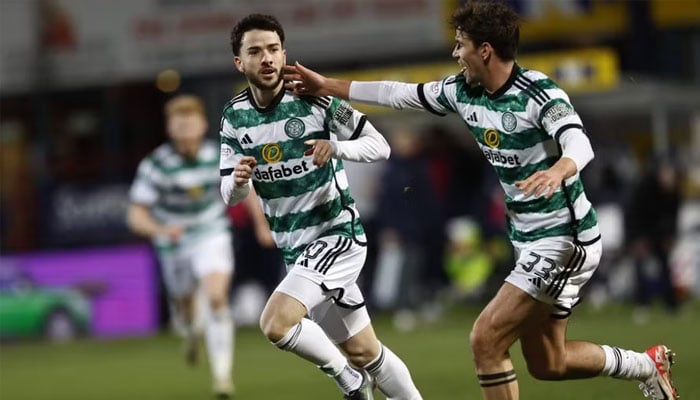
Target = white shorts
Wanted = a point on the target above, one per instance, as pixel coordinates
(553, 271)
(324, 279)
(184, 265)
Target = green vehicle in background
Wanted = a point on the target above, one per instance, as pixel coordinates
(28, 310)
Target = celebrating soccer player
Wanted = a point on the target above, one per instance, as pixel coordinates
(291, 148)
(528, 130)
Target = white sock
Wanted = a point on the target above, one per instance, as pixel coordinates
(626, 364)
(348, 379)
(308, 341)
(392, 376)
(219, 340)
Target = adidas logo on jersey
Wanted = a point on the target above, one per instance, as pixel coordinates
(472, 117)
(272, 174)
(246, 139)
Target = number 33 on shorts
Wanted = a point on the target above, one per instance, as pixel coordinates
(559, 273)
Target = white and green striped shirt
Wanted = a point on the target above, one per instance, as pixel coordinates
(301, 202)
(181, 191)
(518, 129)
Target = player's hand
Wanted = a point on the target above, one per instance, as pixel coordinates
(172, 232)
(322, 150)
(244, 170)
(304, 81)
(540, 182)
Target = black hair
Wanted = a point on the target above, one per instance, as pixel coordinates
(251, 22)
(490, 21)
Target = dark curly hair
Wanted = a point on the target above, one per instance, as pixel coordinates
(254, 21)
(492, 22)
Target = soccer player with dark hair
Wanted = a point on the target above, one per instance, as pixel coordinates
(528, 130)
(291, 148)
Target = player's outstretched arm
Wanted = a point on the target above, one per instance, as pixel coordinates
(304, 81)
(398, 95)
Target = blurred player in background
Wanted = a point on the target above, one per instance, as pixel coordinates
(291, 147)
(528, 130)
(175, 202)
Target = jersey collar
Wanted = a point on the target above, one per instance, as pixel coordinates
(271, 106)
(507, 85)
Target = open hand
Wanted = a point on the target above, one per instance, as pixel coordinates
(540, 182)
(304, 81)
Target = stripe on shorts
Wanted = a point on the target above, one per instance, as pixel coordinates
(557, 286)
(345, 246)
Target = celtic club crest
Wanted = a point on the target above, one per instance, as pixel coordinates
(294, 128)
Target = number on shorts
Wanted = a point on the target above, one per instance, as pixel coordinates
(315, 249)
(544, 270)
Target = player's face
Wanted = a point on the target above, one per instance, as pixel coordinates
(468, 57)
(261, 59)
(186, 128)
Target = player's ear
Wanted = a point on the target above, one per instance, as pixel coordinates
(238, 63)
(485, 50)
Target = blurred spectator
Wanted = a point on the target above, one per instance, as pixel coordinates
(472, 259)
(651, 229)
(364, 181)
(407, 217)
(259, 265)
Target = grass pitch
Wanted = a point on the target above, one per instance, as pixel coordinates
(437, 355)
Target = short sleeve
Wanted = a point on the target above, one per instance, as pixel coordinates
(144, 189)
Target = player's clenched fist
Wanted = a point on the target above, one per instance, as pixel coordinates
(244, 170)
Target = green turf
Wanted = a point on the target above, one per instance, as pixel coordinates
(437, 354)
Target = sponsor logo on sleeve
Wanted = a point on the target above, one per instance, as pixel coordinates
(343, 114)
(557, 112)
(226, 152)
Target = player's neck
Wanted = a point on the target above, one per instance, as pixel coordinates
(498, 75)
(264, 97)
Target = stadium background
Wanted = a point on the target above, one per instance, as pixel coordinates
(82, 84)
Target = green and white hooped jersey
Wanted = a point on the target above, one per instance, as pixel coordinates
(301, 202)
(517, 129)
(181, 191)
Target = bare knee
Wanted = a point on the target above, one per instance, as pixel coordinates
(217, 302)
(360, 354)
(362, 348)
(483, 342)
(273, 325)
(281, 314)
